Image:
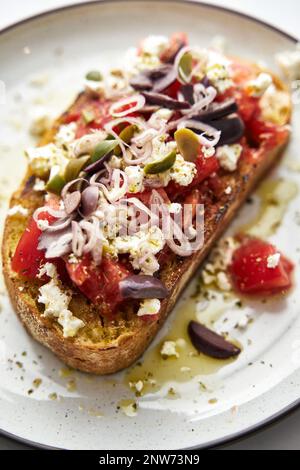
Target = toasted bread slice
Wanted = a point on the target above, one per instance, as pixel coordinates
(107, 346)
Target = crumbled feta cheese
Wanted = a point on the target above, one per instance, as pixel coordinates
(218, 72)
(207, 278)
(139, 386)
(39, 185)
(208, 151)
(115, 162)
(273, 261)
(223, 282)
(154, 45)
(275, 105)
(142, 247)
(149, 307)
(228, 190)
(183, 172)
(130, 410)
(259, 85)
(48, 269)
(18, 210)
(219, 260)
(169, 349)
(243, 322)
(56, 303)
(135, 176)
(229, 155)
(160, 148)
(66, 135)
(289, 62)
(42, 159)
(159, 118)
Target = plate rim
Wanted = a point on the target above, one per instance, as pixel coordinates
(288, 410)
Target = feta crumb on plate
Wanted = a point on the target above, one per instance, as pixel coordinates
(130, 410)
(169, 349)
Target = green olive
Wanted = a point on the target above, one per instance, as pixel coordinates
(88, 116)
(102, 149)
(56, 184)
(160, 166)
(94, 75)
(186, 65)
(125, 135)
(74, 167)
(188, 144)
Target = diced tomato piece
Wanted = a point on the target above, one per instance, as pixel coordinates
(267, 133)
(172, 90)
(205, 168)
(71, 117)
(250, 271)
(248, 106)
(28, 259)
(100, 110)
(100, 284)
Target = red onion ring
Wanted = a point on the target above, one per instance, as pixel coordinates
(138, 99)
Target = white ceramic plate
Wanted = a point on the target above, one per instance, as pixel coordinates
(45, 59)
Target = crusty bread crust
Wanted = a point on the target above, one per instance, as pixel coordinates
(131, 336)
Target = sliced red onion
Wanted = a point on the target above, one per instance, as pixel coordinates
(178, 58)
(139, 101)
(119, 186)
(142, 287)
(201, 102)
(99, 164)
(207, 131)
(89, 200)
(91, 236)
(172, 231)
(69, 185)
(78, 239)
(141, 82)
(59, 224)
(165, 81)
(55, 244)
(72, 201)
(48, 210)
(87, 143)
(140, 157)
(151, 217)
(165, 101)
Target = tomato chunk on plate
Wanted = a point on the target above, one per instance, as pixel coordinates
(255, 269)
